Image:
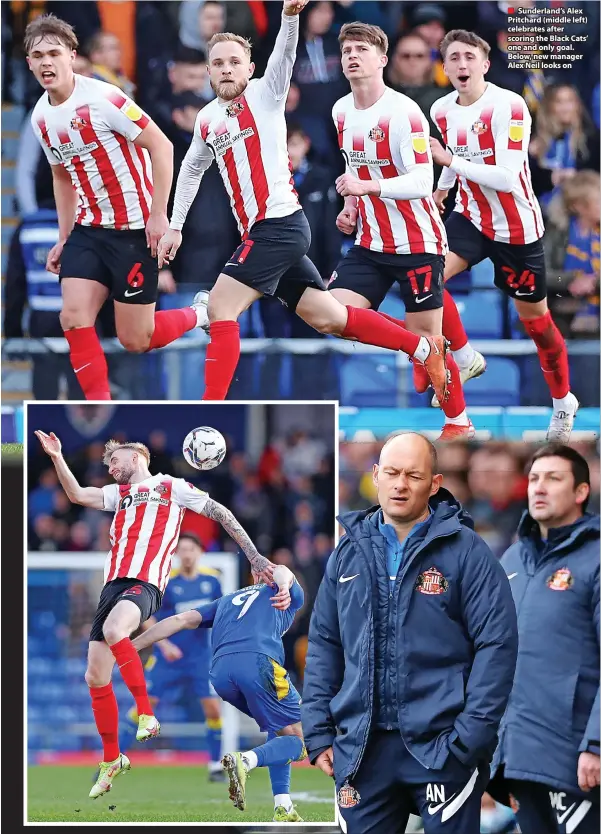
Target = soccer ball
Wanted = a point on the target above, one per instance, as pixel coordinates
(204, 448)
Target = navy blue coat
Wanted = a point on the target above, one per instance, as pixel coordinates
(451, 651)
(553, 711)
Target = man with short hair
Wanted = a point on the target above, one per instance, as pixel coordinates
(548, 754)
(486, 130)
(412, 650)
(148, 512)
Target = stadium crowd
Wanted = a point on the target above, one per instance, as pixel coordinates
(488, 479)
(285, 502)
(157, 52)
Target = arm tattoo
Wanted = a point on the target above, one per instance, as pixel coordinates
(232, 526)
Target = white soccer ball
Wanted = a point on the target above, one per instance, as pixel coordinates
(204, 448)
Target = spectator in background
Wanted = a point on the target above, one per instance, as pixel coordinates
(324, 147)
(595, 105)
(317, 70)
(161, 460)
(199, 20)
(572, 251)
(104, 50)
(428, 21)
(410, 70)
(564, 141)
(40, 500)
(366, 11)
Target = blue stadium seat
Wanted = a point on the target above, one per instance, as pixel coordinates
(483, 274)
(369, 380)
(499, 385)
(482, 314)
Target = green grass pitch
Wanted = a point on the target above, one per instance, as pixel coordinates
(169, 794)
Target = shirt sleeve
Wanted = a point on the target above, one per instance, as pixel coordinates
(111, 497)
(297, 596)
(413, 137)
(207, 612)
(281, 61)
(196, 161)
(447, 177)
(121, 114)
(188, 496)
(36, 121)
(511, 125)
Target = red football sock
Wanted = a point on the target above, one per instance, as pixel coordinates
(552, 353)
(455, 402)
(169, 325)
(223, 353)
(89, 363)
(373, 328)
(452, 326)
(132, 672)
(398, 322)
(106, 716)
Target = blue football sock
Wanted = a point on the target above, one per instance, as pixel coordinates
(214, 738)
(280, 751)
(279, 775)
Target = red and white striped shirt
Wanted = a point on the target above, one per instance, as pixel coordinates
(92, 135)
(389, 142)
(145, 529)
(247, 138)
(489, 142)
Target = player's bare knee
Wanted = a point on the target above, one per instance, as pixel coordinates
(71, 318)
(136, 343)
(94, 678)
(113, 633)
(292, 730)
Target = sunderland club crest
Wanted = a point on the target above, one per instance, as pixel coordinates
(561, 580)
(234, 109)
(348, 796)
(376, 134)
(78, 124)
(479, 127)
(431, 582)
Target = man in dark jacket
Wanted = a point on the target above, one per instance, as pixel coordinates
(549, 739)
(412, 650)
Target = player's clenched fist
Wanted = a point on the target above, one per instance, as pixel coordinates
(168, 246)
(589, 772)
(53, 261)
(157, 226)
(50, 443)
(440, 155)
(349, 186)
(347, 220)
(292, 8)
(439, 198)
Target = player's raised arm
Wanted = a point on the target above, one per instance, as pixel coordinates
(196, 161)
(507, 147)
(86, 496)
(166, 628)
(281, 61)
(260, 565)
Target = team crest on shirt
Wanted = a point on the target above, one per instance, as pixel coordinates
(479, 127)
(561, 580)
(78, 123)
(431, 582)
(234, 109)
(348, 796)
(376, 134)
(161, 489)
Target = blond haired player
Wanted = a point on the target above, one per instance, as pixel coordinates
(486, 130)
(244, 131)
(148, 512)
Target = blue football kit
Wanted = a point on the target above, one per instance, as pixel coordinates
(247, 669)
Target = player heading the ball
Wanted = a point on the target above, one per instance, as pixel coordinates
(147, 515)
